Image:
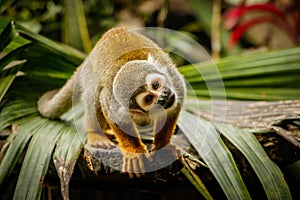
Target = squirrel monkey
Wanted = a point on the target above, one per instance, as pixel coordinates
(127, 84)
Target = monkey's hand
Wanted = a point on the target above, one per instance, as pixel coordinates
(170, 149)
(134, 163)
(99, 140)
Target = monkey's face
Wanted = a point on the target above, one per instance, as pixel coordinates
(146, 89)
(155, 93)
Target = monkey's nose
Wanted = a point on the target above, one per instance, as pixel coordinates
(166, 92)
(166, 99)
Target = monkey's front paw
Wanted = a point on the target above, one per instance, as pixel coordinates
(168, 150)
(99, 141)
(173, 149)
(134, 164)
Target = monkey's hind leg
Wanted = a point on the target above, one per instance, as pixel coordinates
(96, 127)
(99, 140)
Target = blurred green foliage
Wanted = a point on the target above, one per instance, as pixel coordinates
(46, 16)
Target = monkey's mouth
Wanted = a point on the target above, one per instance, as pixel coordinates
(166, 101)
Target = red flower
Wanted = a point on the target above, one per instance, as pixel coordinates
(288, 20)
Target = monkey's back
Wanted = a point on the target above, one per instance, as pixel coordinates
(117, 47)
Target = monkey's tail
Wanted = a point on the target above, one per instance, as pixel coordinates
(54, 103)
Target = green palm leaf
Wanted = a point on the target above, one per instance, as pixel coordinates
(75, 32)
(49, 64)
(216, 155)
(256, 76)
(65, 158)
(7, 77)
(43, 132)
(45, 138)
(269, 174)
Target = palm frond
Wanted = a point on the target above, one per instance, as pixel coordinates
(45, 139)
(196, 181)
(257, 76)
(47, 65)
(269, 174)
(216, 155)
(75, 32)
(42, 132)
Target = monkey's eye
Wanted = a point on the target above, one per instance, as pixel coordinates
(148, 99)
(155, 85)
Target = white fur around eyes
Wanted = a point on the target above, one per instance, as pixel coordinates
(153, 76)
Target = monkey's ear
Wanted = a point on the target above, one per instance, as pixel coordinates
(151, 59)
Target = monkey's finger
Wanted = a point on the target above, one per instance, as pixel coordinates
(141, 166)
(126, 167)
(136, 168)
(131, 175)
(130, 166)
(148, 156)
(178, 153)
